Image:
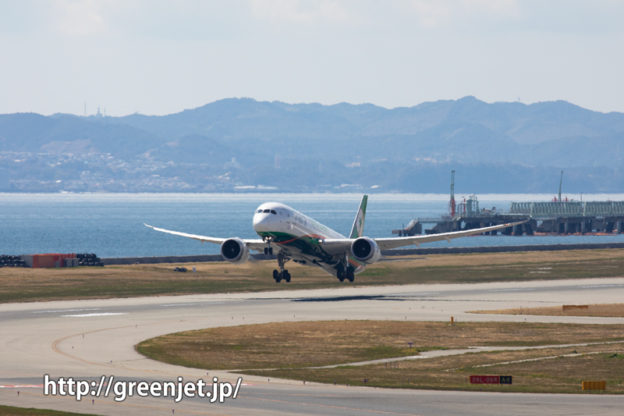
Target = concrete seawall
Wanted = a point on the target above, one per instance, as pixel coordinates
(166, 259)
(388, 253)
(502, 249)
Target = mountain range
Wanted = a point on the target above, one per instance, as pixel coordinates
(241, 144)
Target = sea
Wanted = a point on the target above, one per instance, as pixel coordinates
(112, 224)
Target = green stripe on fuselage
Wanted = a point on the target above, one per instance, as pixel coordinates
(307, 245)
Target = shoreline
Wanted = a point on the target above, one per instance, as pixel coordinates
(388, 253)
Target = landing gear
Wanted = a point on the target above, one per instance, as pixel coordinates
(268, 250)
(278, 276)
(345, 273)
(282, 273)
(350, 274)
(340, 274)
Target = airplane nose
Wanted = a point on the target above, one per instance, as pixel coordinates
(262, 222)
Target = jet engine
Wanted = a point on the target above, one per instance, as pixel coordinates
(366, 250)
(234, 250)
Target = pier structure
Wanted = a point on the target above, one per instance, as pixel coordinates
(573, 217)
(467, 215)
(555, 217)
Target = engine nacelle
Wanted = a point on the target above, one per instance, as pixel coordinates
(234, 250)
(366, 250)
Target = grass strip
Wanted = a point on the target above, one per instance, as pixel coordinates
(25, 285)
(299, 345)
(612, 310)
(559, 372)
(30, 411)
(290, 349)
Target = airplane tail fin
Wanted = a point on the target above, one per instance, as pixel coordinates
(357, 230)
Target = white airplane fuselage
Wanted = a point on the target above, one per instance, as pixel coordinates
(298, 236)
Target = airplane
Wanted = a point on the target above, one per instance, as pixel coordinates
(291, 235)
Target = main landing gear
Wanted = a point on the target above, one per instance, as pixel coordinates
(282, 274)
(346, 273)
(279, 275)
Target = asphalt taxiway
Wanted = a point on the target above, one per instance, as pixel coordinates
(86, 339)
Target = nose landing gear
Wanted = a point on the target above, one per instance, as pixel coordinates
(282, 274)
(268, 250)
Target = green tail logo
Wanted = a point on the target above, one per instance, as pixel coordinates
(357, 230)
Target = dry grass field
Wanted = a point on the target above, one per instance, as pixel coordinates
(288, 350)
(22, 411)
(613, 310)
(21, 284)
(542, 371)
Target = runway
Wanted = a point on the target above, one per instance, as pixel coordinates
(90, 338)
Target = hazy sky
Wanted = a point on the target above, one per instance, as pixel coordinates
(159, 57)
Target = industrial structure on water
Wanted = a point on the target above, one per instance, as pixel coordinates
(556, 217)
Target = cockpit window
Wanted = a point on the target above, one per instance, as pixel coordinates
(266, 211)
(273, 212)
(259, 211)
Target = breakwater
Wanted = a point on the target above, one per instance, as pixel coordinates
(387, 253)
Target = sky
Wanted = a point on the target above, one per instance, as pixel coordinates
(161, 57)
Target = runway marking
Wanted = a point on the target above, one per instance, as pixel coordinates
(65, 310)
(599, 286)
(90, 315)
(174, 305)
(56, 348)
(184, 305)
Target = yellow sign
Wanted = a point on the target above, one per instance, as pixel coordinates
(594, 385)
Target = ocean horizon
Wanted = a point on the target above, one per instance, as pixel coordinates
(111, 224)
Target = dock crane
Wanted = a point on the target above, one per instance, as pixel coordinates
(560, 183)
(452, 201)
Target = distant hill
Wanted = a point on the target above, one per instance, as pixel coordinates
(237, 144)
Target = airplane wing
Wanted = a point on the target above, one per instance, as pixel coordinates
(394, 242)
(253, 244)
(341, 245)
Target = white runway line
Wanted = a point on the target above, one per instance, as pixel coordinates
(66, 310)
(90, 315)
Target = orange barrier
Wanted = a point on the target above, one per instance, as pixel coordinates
(49, 260)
